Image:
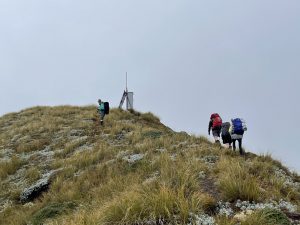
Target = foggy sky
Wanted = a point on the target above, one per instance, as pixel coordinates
(185, 60)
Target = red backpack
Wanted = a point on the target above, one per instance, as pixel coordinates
(217, 120)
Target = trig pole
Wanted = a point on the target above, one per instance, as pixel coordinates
(126, 83)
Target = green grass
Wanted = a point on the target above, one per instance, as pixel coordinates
(51, 211)
(267, 217)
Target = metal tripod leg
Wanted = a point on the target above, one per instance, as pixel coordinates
(123, 99)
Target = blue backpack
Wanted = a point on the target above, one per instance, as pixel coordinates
(238, 126)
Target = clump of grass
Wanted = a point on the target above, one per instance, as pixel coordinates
(152, 134)
(149, 118)
(51, 211)
(172, 197)
(34, 145)
(222, 220)
(70, 147)
(205, 202)
(267, 158)
(32, 174)
(10, 167)
(236, 182)
(267, 217)
(148, 205)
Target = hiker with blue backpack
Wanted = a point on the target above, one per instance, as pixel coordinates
(103, 109)
(238, 127)
(214, 125)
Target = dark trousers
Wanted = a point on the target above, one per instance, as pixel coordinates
(240, 145)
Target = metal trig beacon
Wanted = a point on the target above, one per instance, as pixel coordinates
(128, 96)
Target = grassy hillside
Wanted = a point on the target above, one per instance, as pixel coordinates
(134, 170)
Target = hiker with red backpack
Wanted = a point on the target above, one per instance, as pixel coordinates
(238, 127)
(215, 125)
(102, 109)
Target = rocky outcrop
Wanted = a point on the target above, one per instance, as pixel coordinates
(36, 189)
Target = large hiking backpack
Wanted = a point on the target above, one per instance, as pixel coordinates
(217, 120)
(238, 126)
(106, 107)
(225, 130)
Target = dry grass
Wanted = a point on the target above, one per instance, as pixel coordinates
(236, 182)
(32, 174)
(107, 189)
(10, 167)
(34, 145)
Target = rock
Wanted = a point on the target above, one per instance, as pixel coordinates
(133, 158)
(293, 216)
(36, 189)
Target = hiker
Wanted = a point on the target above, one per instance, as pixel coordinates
(237, 131)
(225, 134)
(102, 109)
(215, 124)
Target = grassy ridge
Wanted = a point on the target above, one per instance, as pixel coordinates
(178, 176)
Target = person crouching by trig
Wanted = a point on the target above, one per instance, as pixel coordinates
(102, 109)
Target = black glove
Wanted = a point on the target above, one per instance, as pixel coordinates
(208, 132)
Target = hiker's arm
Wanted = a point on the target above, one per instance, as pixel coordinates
(209, 126)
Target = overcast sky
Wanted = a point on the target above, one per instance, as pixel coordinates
(185, 59)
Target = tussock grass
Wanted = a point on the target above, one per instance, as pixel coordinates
(10, 167)
(236, 182)
(150, 205)
(225, 221)
(267, 217)
(179, 174)
(70, 147)
(51, 211)
(33, 146)
(149, 118)
(32, 174)
(267, 158)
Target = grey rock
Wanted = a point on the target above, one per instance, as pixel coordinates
(36, 189)
(133, 158)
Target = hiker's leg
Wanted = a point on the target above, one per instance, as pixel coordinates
(233, 143)
(217, 139)
(102, 114)
(230, 143)
(218, 133)
(240, 146)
